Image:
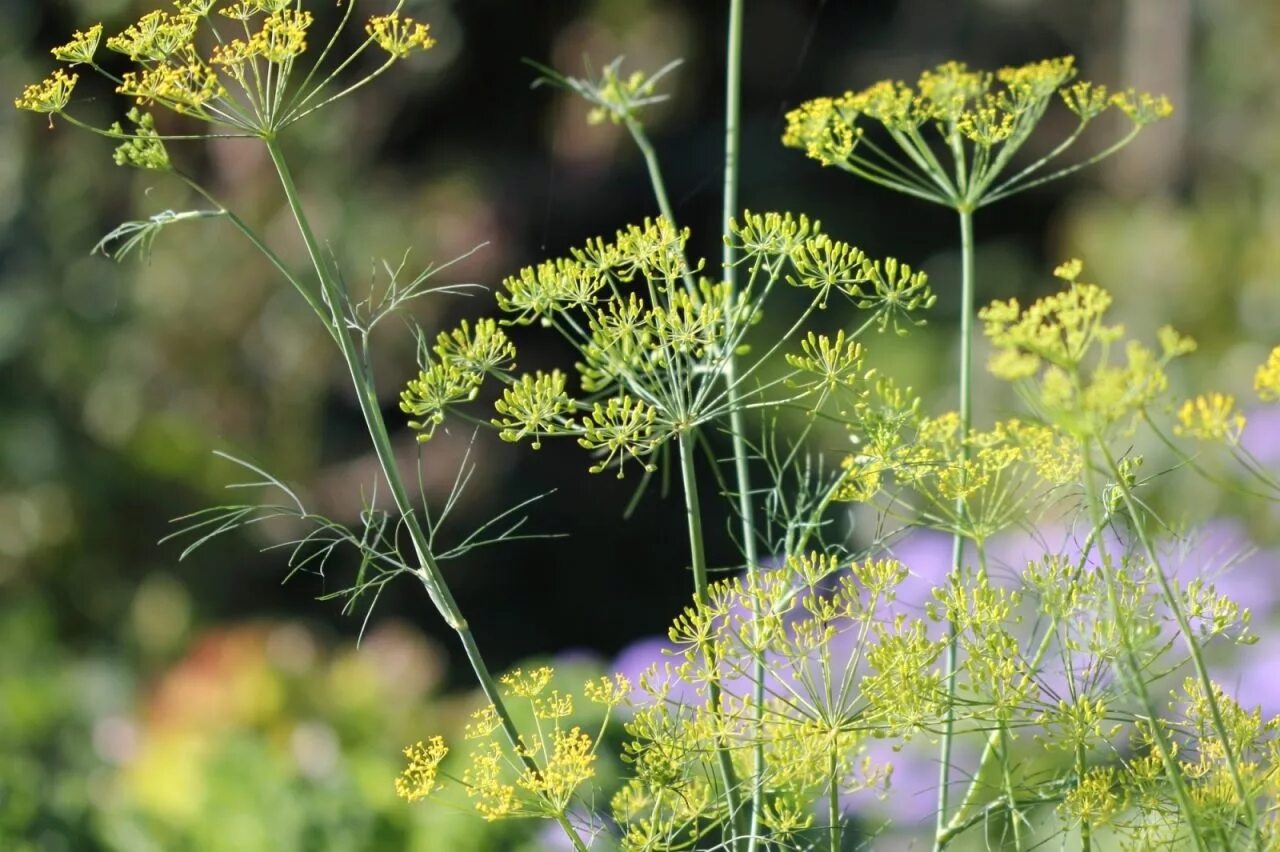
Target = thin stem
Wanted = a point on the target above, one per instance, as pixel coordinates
(698, 563)
(1130, 669)
(659, 185)
(428, 571)
(1193, 647)
(262, 247)
(957, 549)
(993, 740)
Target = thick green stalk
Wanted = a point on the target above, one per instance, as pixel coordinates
(429, 572)
(701, 585)
(737, 417)
(957, 549)
(834, 829)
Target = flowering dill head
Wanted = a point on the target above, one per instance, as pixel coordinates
(234, 69)
(1064, 349)
(399, 36)
(82, 47)
(1211, 417)
(1266, 381)
(49, 96)
(981, 120)
(418, 780)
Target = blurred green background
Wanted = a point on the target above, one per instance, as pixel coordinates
(147, 703)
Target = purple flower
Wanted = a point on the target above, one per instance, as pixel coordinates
(1262, 433)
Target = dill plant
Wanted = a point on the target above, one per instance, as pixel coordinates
(782, 678)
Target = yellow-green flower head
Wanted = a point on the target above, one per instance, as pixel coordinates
(950, 87)
(242, 10)
(621, 427)
(399, 36)
(419, 778)
(619, 97)
(156, 36)
(608, 691)
(234, 55)
(771, 234)
(183, 88)
(195, 8)
(533, 406)
(835, 362)
(433, 391)
(483, 723)
(1087, 100)
(1142, 108)
(1266, 381)
(986, 125)
(283, 35)
(1211, 417)
(1037, 81)
(529, 684)
(81, 48)
(50, 95)
(145, 150)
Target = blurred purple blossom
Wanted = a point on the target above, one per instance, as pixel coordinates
(1262, 433)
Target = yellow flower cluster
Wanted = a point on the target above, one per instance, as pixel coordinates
(183, 88)
(1211, 417)
(540, 775)
(1266, 381)
(399, 36)
(81, 48)
(49, 96)
(283, 35)
(155, 37)
(419, 778)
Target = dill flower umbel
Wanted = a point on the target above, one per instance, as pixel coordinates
(1211, 417)
(81, 48)
(419, 778)
(399, 36)
(49, 96)
(1266, 381)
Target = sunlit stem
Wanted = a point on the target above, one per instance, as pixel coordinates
(989, 751)
(1130, 669)
(737, 417)
(1193, 647)
(957, 549)
(428, 571)
(834, 830)
(701, 585)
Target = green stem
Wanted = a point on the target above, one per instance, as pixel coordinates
(963, 812)
(737, 417)
(1130, 669)
(698, 562)
(1086, 837)
(1193, 647)
(835, 829)
(957, 549)
(429, 572)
